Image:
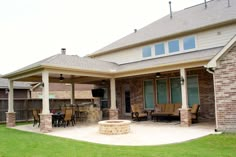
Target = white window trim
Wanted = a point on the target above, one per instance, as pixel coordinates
(189, 50)
(151, 46)
(164, 43)
(168, 46)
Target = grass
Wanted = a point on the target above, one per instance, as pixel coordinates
(14, 143)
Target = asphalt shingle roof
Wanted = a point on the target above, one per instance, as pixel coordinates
(185, 20)
(72, 62)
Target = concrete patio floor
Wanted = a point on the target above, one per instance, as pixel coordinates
(142, 133)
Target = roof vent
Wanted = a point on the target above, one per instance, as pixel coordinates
(135, 30)
(228, 3)
(170, 9)
(63, 51)
(205, 4)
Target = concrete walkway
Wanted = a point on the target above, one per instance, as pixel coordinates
(142, 133)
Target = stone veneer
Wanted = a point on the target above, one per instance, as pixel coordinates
(225, 90)
(206, 90)
(114, 127)
(185, 117)
(113, 114)
(11, 119)
(46, 123)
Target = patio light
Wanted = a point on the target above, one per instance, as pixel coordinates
(158, 75)
(182, 80)
(7, 90)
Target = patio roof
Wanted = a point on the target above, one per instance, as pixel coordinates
(83, 69)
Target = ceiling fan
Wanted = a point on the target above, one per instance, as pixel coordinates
(61, 78)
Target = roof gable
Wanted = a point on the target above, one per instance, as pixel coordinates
(190, 19)
(222, 52)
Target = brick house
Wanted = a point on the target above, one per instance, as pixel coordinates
(169, 61)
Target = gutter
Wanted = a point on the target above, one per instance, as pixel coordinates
(210, 70)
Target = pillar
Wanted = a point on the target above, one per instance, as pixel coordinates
(10, 115)
(45, 116)
(113, 112)
(72, 100)
(185, 114)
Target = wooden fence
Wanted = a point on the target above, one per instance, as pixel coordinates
(24, 107)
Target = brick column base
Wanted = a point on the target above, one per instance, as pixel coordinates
(113, 114)
(11, 119)
(185, 117)
(45, 123)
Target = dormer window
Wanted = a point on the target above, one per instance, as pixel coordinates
(173, 46)
(189, 43)
(147, 52)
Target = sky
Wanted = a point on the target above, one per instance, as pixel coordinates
(31, 30)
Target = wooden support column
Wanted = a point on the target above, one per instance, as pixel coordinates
(185, 114)
(10, 115)
(113, 112)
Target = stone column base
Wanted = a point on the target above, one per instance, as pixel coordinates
(11, 119)
(113, 114)
(185, 117)
(45, 123)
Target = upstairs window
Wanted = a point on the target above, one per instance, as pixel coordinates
(173, 46)
(189, 43)
(159, 49)
(147, 52)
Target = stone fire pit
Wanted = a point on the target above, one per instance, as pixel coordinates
(114, 127)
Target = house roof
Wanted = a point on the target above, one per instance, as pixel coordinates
(17, 85)
(224, 50)
(185, 21)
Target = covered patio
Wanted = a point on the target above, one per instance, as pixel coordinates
(72, 69)
(60, 68)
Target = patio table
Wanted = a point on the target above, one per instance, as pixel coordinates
(156, 116)
(57, 118)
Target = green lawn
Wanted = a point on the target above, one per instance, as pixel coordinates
(14, 143)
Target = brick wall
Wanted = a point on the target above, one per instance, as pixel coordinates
(206, 90)
(225, 86)
(206, 93)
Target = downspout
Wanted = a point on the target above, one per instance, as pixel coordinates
(211, 70)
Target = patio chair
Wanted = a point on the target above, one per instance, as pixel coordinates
(176, 112)
(194, 112)
(36, 118)
(63, 109)
(68, 118)
(137, 113)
